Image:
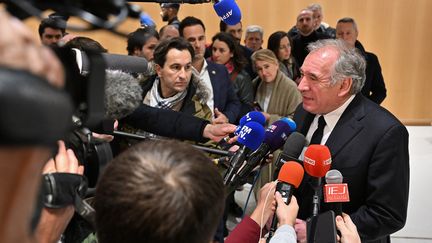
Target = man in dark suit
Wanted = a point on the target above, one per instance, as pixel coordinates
(374, 87)
(369, 146)
(224, 101)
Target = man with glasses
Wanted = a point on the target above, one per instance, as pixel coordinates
(369, 146)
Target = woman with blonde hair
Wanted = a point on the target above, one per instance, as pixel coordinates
(276, 94)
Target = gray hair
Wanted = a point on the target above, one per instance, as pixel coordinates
(315, 7)
(348, 20)
(349, 64)
(254, 29)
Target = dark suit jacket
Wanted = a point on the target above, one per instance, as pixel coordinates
(374, 87)
(224, 96)
(369, 146)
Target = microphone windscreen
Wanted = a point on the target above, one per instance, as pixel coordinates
(291, 123)
(255, 116)
(291, 173)
(317, 160)
(251, 135)
(276, 134)
(294, 144)
(228, 11)
(123, 94)
(333, 177)
(146, 20)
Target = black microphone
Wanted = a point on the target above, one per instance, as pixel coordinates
(291, 151)
(290, 177)
(123, 94)
(335, 192)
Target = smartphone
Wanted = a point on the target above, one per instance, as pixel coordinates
(321, 228)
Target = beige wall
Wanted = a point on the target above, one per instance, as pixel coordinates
(399, 32)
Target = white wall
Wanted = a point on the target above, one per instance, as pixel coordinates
(418, 226)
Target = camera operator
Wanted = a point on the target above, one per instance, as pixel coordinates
(53, 222)
(23, 155)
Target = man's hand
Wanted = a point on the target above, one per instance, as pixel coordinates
(286, 214)
(53, 222)
(266, 115)
(20, 50)
(348, 229)
(216, 132)
(266, 204)
(300, 229)
(220, 118)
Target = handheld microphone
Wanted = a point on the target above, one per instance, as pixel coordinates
(146, 20)
(291, 123)
(250, 136)
(123, 94)
(255, 116)
(317, 161)
(275, 136)
(291, 151)
(228, 11)
(290, 177)
(335, 192)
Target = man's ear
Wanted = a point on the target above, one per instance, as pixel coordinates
(137, 51)
(345, 87)
(158, 69)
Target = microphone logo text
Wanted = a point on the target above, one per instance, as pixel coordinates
(226, 15)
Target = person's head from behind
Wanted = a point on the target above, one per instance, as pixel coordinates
(168, 31)
(193, 30)
(346, 29)
(280, 44)
(225, 49)
(169, 11)
(266, 65)
(173, 64)
(51, 30)
(142, 42)
(84, 43)
(254, 37)
(305, 22)
(331, 73)
(159, 191)
(235, 30)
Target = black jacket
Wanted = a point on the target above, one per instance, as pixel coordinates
(374, 87)
(369, 146)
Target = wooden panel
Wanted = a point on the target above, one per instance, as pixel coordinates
(397, 31)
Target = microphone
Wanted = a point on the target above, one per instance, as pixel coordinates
(291, 123)
(275, 136)
(228, 11)
(291, 151)
(317, 161)
(146, 20)
(123, 94)
(335, 192)
(250, 136)
(290, 177)
(255, 116)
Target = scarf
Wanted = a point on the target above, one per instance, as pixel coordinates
(164, 103)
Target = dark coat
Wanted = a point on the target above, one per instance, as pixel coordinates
(224, 96)
(369, 146)
(374, 87)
